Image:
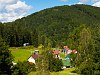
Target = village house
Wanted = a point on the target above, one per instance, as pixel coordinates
(56, 53)
(32, 58)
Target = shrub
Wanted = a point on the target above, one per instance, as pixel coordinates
(55, 65)
(23, 68)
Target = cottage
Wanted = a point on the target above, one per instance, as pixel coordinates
(32, 58)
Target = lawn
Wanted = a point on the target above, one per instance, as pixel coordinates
(21, 53)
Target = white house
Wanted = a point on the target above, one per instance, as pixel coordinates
(31, 60)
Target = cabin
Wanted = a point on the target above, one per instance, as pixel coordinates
(32, 58)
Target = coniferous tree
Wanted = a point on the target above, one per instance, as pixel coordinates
(5, 59)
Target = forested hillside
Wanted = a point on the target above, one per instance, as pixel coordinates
(53, 24)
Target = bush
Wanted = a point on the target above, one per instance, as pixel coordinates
(55, 65)
(23, 68)
(97, 72)
(86, 68)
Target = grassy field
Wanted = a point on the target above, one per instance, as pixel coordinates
(23, 53)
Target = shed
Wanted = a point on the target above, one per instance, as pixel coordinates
(25, 44)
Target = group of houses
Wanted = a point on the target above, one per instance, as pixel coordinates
(67, 50)
(56, 53)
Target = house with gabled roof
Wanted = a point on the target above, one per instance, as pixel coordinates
(32, 58)
(56, 53)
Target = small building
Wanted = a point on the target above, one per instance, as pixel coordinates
(74, 51)
(25, 44)
(32, 58)
(66, 63)
(66, 50)
(56, 53)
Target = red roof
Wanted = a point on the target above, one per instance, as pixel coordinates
(56, 52)
(74, 51)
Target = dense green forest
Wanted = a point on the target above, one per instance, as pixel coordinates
(54, 24)
(77, 26)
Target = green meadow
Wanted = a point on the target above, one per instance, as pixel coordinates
(21, 53)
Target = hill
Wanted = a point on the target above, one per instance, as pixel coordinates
(52, 24)
(77, 26)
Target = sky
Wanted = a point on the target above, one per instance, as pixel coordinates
(10, 10)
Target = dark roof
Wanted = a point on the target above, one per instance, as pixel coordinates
(35, 56)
